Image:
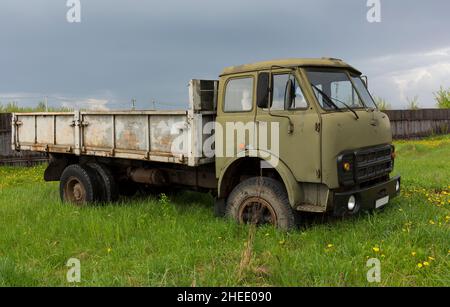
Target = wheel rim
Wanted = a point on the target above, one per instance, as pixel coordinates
(74, 191)
(255, 210)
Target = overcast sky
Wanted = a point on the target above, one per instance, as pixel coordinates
(150, 50)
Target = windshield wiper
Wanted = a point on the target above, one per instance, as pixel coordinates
(327, 98)
(330, 101)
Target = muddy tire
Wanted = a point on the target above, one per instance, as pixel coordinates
(261, 200)
(79, 185)
(109, 191)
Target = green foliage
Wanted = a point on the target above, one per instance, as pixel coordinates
(413, 103)
(13, 107)
(443, 98)
(382, 104)
(176, 241)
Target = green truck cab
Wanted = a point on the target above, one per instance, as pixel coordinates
(335, 147)
(269, 140)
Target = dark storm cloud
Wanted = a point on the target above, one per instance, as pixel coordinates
(150, 49)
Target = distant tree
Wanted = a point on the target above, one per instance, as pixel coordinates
(442, 98)
(413, 104)
(41, 107)
(13, 107)
(382, 104)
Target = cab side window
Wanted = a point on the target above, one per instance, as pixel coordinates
(239, 95)
(279, 91)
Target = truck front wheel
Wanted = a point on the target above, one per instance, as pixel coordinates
(78, 185)
(261, 200)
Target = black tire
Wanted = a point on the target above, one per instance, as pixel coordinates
(109, 191)
(261, 200)
(79, 185)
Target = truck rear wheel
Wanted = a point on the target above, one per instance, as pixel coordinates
(261, 200)
(79, 185)
(107, 182)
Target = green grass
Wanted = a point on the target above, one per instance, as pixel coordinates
(177, 241)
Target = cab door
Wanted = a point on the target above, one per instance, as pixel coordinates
(235, 131)
(297, 139)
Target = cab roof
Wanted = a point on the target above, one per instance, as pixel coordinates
(295, 62)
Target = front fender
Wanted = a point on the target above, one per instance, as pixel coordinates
(292, 187)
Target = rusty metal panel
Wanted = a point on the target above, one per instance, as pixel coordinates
(64, 130)
(130, 132)
(45, 129)
(27, 128)
(97, 131)
(166, 132)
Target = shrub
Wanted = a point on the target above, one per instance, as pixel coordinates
(413, 104)
(382, 104)
(442, 98)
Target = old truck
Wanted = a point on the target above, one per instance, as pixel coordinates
(270, 140)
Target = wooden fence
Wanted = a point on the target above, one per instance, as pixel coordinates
(9, 156)
(419, 123)
(404, 123)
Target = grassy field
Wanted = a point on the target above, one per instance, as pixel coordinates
(177, 241)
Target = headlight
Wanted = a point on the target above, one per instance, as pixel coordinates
(351, 203)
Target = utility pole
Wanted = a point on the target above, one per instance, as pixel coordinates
(133, 104)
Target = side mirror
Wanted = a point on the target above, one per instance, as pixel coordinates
(262, 91)
(289, 94)
(365, 80)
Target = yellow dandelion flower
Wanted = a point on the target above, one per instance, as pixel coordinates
(330, 245)
(109, 249)
(431, 258)
(419, 265)
(413, 254)
(431, 222)
(426, 263)
(376, 249)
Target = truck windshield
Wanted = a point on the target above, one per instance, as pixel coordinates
(344, 92)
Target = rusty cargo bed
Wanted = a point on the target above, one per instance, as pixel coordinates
(160, 136)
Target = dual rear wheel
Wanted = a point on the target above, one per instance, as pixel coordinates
(88, 183)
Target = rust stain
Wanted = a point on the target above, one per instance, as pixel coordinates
(129, 139)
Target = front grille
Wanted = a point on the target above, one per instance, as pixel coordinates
(368, 164)
(373, 163)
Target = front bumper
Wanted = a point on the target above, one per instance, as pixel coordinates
(366, 198)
